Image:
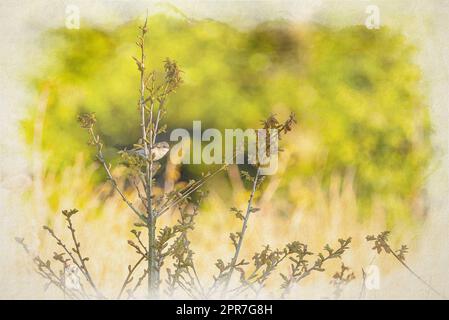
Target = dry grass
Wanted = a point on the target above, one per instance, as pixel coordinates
(316, 217)
(319, 217)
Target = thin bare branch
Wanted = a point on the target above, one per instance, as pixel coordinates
(129, 278)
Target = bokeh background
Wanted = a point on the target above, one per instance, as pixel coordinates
(366, 155)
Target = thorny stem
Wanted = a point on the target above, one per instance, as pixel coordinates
(142, 198)
(305, 271)
(63, 246)
(53, 278)
(260, 280)
(149, 131)
(363, 287)
(129, 276)
(102, 160)
(413, 272)
(187, 290)
(158, 116)
(46, 272)
(187, 191)
(153, 276)
(242, 233)
(198, 281)
(80, 257)
(138, 284)
(192, 188)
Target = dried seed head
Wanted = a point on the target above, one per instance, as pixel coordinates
(172, 75)
(87, 120)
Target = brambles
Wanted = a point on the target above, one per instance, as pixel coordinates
(381, 244)
(341, 279)
(157, 247)
(71, 260)
(87, 120)
(168, 246)
(300, 268)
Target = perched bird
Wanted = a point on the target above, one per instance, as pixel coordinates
(158, 151)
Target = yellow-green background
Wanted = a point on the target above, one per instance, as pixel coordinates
(356, 93)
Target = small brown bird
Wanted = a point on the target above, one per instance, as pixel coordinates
(158, 151)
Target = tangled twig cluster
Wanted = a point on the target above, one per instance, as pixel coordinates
(170, 245)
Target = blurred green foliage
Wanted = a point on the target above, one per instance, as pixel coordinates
(355, 91)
